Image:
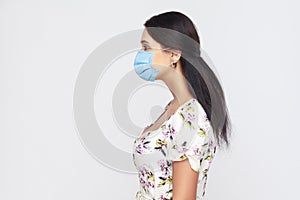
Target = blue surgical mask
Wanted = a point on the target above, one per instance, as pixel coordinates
(143, 65)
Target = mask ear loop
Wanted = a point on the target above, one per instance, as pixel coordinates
(173, 64)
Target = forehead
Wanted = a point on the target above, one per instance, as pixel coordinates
(147, 39)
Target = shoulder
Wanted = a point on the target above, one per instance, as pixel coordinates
(190, 114)
(191, 121)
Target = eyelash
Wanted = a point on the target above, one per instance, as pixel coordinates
(145, 49)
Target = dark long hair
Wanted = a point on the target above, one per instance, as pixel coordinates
(171, 29)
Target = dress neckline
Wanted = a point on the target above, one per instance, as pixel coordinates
(175, 112)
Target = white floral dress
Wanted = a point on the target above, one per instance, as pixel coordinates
(186, 134)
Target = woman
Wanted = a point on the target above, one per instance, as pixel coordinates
(174, 153)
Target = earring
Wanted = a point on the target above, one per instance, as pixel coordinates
(173, 64)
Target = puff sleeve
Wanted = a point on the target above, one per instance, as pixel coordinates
(190, 137)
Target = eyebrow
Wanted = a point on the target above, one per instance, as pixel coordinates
(144, 41)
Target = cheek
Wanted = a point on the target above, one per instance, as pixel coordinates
(159, 59)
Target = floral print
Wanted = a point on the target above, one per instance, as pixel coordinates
(146, 178)
(187, 134)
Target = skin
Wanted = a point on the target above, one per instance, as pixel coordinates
(184, 178)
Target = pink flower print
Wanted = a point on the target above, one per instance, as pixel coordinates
(191, 116)
(162, 198)
(139, 149)
(197, 151)
(167, 130)
(164, 166)
(146, 178)
(183, 150)
(171, 131)
(142, 146)
(165, 134)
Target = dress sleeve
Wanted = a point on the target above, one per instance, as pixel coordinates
(190, 138)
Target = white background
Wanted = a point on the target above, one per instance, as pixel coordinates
(253, 44)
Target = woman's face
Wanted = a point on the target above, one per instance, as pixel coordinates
(162, 59)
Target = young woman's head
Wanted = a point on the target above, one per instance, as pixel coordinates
(165, 60)
(172, 44)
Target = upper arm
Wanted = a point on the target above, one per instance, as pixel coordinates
(184, 180)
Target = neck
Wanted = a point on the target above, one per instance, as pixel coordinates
(177, 84)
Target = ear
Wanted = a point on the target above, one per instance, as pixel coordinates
(175, 55)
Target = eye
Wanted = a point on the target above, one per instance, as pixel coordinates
(145, 48)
